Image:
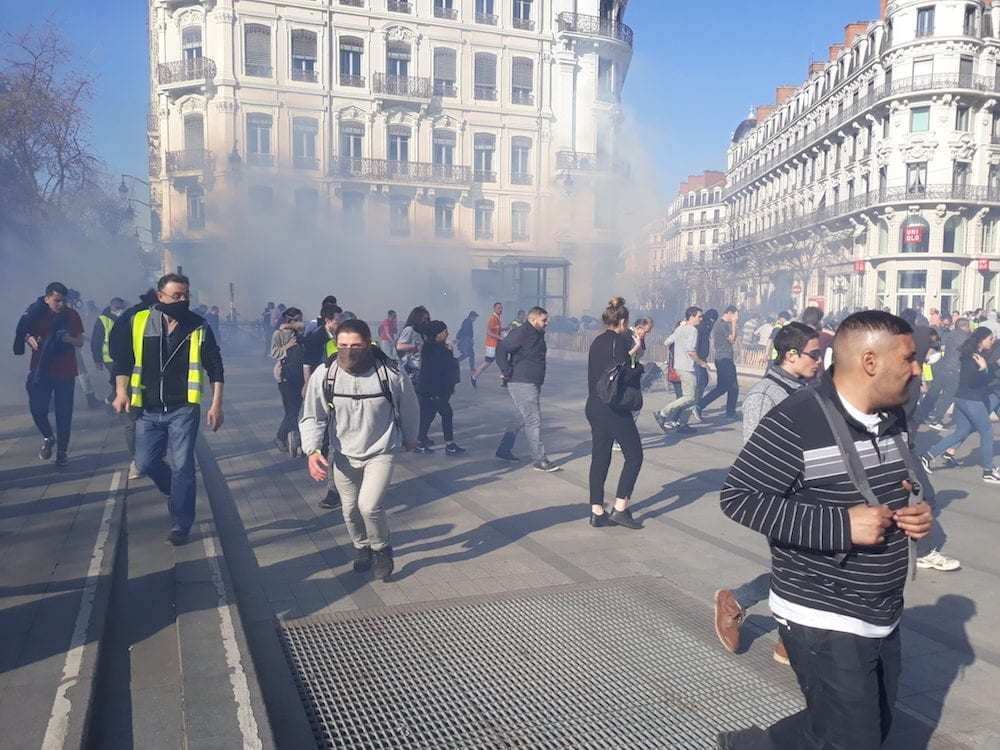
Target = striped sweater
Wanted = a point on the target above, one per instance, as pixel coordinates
(790, 483)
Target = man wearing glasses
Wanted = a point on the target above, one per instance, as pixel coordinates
(161, 354)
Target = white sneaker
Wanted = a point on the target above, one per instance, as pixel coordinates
(937, 561)
(616, 447)
(133, 471)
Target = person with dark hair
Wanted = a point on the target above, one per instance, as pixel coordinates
(317, 322)
(54, 333)
(410, 341)
(465, 341)
(388, 330)
(160, 356)
(941, 394)
(971, 406)
(684, 339)
(100, 340)
(783, 320)
(367, 410)
(724, 333)
(841, 529)
(703, 348)
(438, 376)
(321, 344)
(812, 316)
(613, 347)
(286, 351)
(797, 346)
(495, 331)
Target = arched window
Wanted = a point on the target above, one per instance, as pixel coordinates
(915, 235)
(522, 81)
(484, 147)
(954, 235)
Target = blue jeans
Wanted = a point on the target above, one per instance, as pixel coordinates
(969, 416)
(42, 391)
(155, 431)
(754, 591)
(527, 399)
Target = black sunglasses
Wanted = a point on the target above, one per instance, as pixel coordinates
(813, 354)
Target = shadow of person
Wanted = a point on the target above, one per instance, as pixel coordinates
(936, 651)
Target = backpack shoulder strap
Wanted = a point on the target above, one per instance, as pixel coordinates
(329, 381)
(852, 459)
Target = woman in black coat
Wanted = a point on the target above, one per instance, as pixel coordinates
(438, 375)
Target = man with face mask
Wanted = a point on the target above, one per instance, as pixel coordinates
(160, 354)
(369, 410)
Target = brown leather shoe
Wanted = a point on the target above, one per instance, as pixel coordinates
(781, 655)
(729, 617)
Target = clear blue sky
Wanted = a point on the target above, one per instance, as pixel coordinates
(698, 68)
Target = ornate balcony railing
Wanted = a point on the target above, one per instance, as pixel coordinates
(387, 170)
(353, 3)
(258, 71)
(486, 93)
(525, 24)
(448, 13)
(481, 175)
(519, 96)
(578, 23)
(445, 90)
(490, 19)
(349, 80)
(307, 76)
(519, 178)
(189, 160)
(408, 86)
(183, 71)
(400, 6)
(582, 162)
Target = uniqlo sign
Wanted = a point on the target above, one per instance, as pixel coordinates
(859, 266)
(983, 264)
(913, 235)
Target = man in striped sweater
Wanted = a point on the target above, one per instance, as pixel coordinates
(838, 565)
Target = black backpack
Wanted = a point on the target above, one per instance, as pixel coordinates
(383, 364)
(618, 388)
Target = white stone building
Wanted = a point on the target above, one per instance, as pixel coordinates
(882, 167)
(457, 147)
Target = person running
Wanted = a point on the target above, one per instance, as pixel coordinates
(703, 346)
(388, 331)
(521, 359)
(286, 351)
(54, 333)
(367, 410)
(438, 376)
(941, 394)
(724, 342)
(971, 406)
(617, 345)
(684, 340)
(160, 354)
(410, 341)
(494, 333)
(797, 362)
(465, 341)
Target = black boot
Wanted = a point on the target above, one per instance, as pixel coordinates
(506, 443)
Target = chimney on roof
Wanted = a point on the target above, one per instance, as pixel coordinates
(853, 30)
(764, 111)
(816, 68)
(782, 93)
(835, 50)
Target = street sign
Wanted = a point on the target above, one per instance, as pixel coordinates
(797, 290)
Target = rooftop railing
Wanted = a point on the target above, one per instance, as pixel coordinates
(578, 23)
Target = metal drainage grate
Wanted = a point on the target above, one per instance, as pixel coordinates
(629, 663)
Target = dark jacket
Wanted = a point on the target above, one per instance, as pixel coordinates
(521, 356)
(25, 323)
(165, 374)
(973, 383)
(438, 371)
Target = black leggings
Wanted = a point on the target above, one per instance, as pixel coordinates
(291, 400)
(607, 426)
(430, 407)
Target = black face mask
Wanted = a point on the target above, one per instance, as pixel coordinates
(355, 361)
(175, 310)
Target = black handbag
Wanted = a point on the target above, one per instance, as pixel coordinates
(619, 386)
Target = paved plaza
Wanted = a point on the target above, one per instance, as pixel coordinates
(509, 621)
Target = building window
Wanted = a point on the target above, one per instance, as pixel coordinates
(485, 76)
(304, 56)
(962, 118)
(701, 237)
(484, 220)
(969, 26)
(444, 154)
(399, 216)
(925, 21)
(445, 9)
(260, 199)
(484, 148)
(486, 12)
(915, 236)
(398, 59)
(195, 207)
(191, 42)
(960, 177)
(353, 207)
(306, 202)
(400, 6)
(916, 178)
(954, 235)
(522, 81)
(258, 140)
(444, 215)
(445, 72)
(715, 236)
(690, 239)
(522, 15)
(194, 136)
(351, 50)
(966, 67)
(715, 215)
(304, 131)
(257, 47)
(520, 215)
(520, 160)
(399, 143)
(352, 138)
(607, 84)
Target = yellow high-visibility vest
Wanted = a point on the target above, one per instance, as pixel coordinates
(108, 322)
(774, 352)
(144, 322)
(331, 347)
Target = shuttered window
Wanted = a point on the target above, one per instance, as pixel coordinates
(303, 55)
(258, 50)
(522, 80)
(194, 133)
(444, 147)
(445, 72)
(486, 76)
(304, 132)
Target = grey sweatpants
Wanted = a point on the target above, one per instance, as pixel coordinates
(362, 483)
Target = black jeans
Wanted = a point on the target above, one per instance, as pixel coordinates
(607, 426)
(727, 384)
(430, 407)
(938, 398)
(849, 684)
(291, 400)
(42, 391)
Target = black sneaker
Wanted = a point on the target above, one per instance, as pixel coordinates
(47, 445)
(363, 562)
(62, 459)
(475, 383)
(624, 518)
(599, 520)
(950, 461)
(507, 456)
(427, 442)
(545, 465)
(926, 460)
(177, 537)
(685, 429)
(454, 449)
(383, 563)
(422, 449)
(661, 421)
(331, 501)
(281, 445)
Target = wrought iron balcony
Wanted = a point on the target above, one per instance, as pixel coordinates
(578, 23)
(490, 19)
(525, 24)
(400, 6)
(259, 71)
(307, 76)
(353, 3)
(481, 175)
(409, 87)
(486, 93)
(578, 161)
(194, 70)
(448, 13)
(189, 160)
(355, 81)
(445, 90)
(412, 172)
(520, 96)
(519, 178)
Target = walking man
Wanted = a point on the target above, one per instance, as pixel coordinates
(494, 332)
(100, 341)
(724, 340)
(521, 359)
(686, 359)
(369, 411)
(464, 339)
(388, 330)
(54, 333)
(160, 354)
(840, 529)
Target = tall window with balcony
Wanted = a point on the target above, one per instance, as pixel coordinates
(520, 219)
(523, 16)
(484, 220)
(486, 12)
(960, 178)
(445, 72)
(484, 147)
(445, 9)
(304, 132)
(399, 150)
(966, 70)
(191, 50)
(485, 70)
(925, 21)
(444, 215)
(351, 50)
(353, 212)
(194, 137)
(195, 207)
(257, 48)
(397, 64)
(444, 154)
(258, 139)
(607, 80)
(399, 6)
(399, 215)
(522, 81)
(970, 25)
(304, 56)
(352, 138)
(520, 160)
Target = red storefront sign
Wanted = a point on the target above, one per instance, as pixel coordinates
(913, 235)
(860, 266)
(983, 264)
